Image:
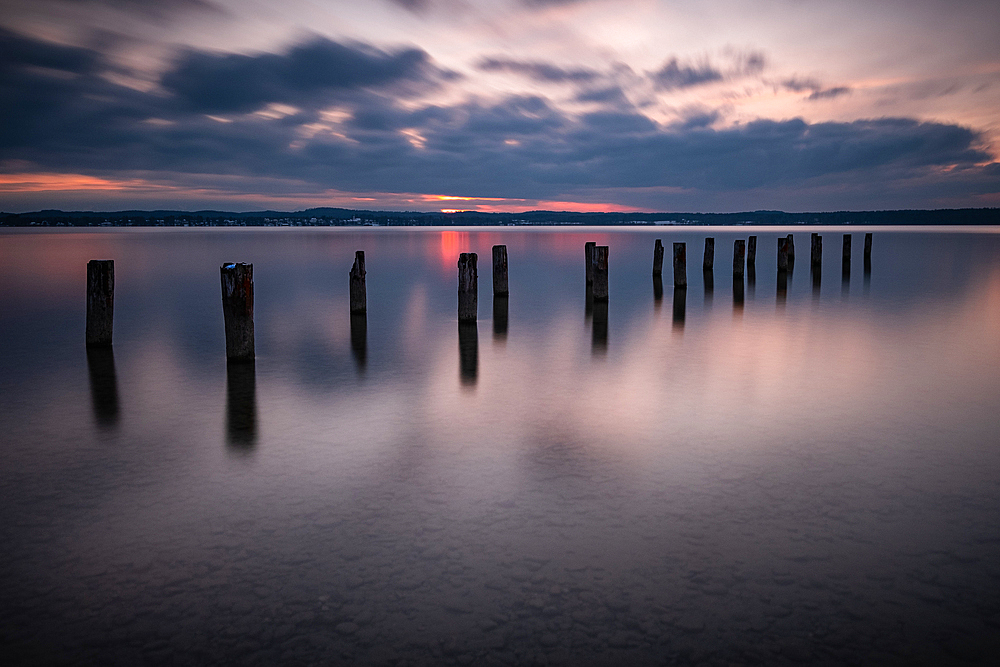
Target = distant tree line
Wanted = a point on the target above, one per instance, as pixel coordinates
(324, 217)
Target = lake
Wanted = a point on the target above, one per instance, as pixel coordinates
(764, 472)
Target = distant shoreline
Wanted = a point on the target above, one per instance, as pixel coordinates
(337, 217)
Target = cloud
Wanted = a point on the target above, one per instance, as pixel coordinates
(827, 93)
(235, 83)
(674, 75)
(416, 6)
(156, 11)
(815, 88)
(350, 134)
(19, 51)
(538, 71)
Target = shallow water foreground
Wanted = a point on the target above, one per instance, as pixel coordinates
(735, 474)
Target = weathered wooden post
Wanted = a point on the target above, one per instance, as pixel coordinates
(739, 253)
(782, 287)
(658, 258)
(468, 287)
(680, 265)
(738, 292)
(100, 302)
(237, 309)
(752, 252)
(791, 252)
(868, 252)
(709, 263)
(359, 296)
(657, 290)
(588, 260)
(847, 252)
(601, 273)
(500, 270)
(816, 254)
(782, 254)
(468, 351)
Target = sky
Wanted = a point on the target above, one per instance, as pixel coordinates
(499, 105)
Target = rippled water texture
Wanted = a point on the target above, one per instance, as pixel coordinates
(742, 473)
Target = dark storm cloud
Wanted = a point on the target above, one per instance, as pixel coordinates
(539, 71)
(61, 115)
(673, 75)
(234, 83)
(18, 51)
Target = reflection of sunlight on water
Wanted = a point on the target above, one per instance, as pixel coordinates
(452, 244)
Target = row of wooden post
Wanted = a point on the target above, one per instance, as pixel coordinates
(237, 284)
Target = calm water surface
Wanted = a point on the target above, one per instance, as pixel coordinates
(742, 473)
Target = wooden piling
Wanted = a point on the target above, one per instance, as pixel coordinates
(359, 296)
(709, 262)
(680, 265)
(752, 252)
(601, 273)
(658, 258)
(588, 260)
(468, 287)
(847, 251)
(739, 254)
(791, 251)
(783, 254)
(100, 302)
(816, 251)
(237, 309)
(500, 270)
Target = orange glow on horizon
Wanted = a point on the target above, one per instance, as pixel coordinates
(292, 193)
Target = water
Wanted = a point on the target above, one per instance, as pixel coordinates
(801, 476)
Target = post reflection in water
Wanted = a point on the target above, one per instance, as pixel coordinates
(657, 291)
(782, 287)
(680, 297)
(845, 276)
(817, 275)
(468, 352)
(500, 303)
(751, 279)
(359, 339)
(709, 277)
(738, 294)
(103, 385)
(600, 332)
(588, 303)
(241, 404)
